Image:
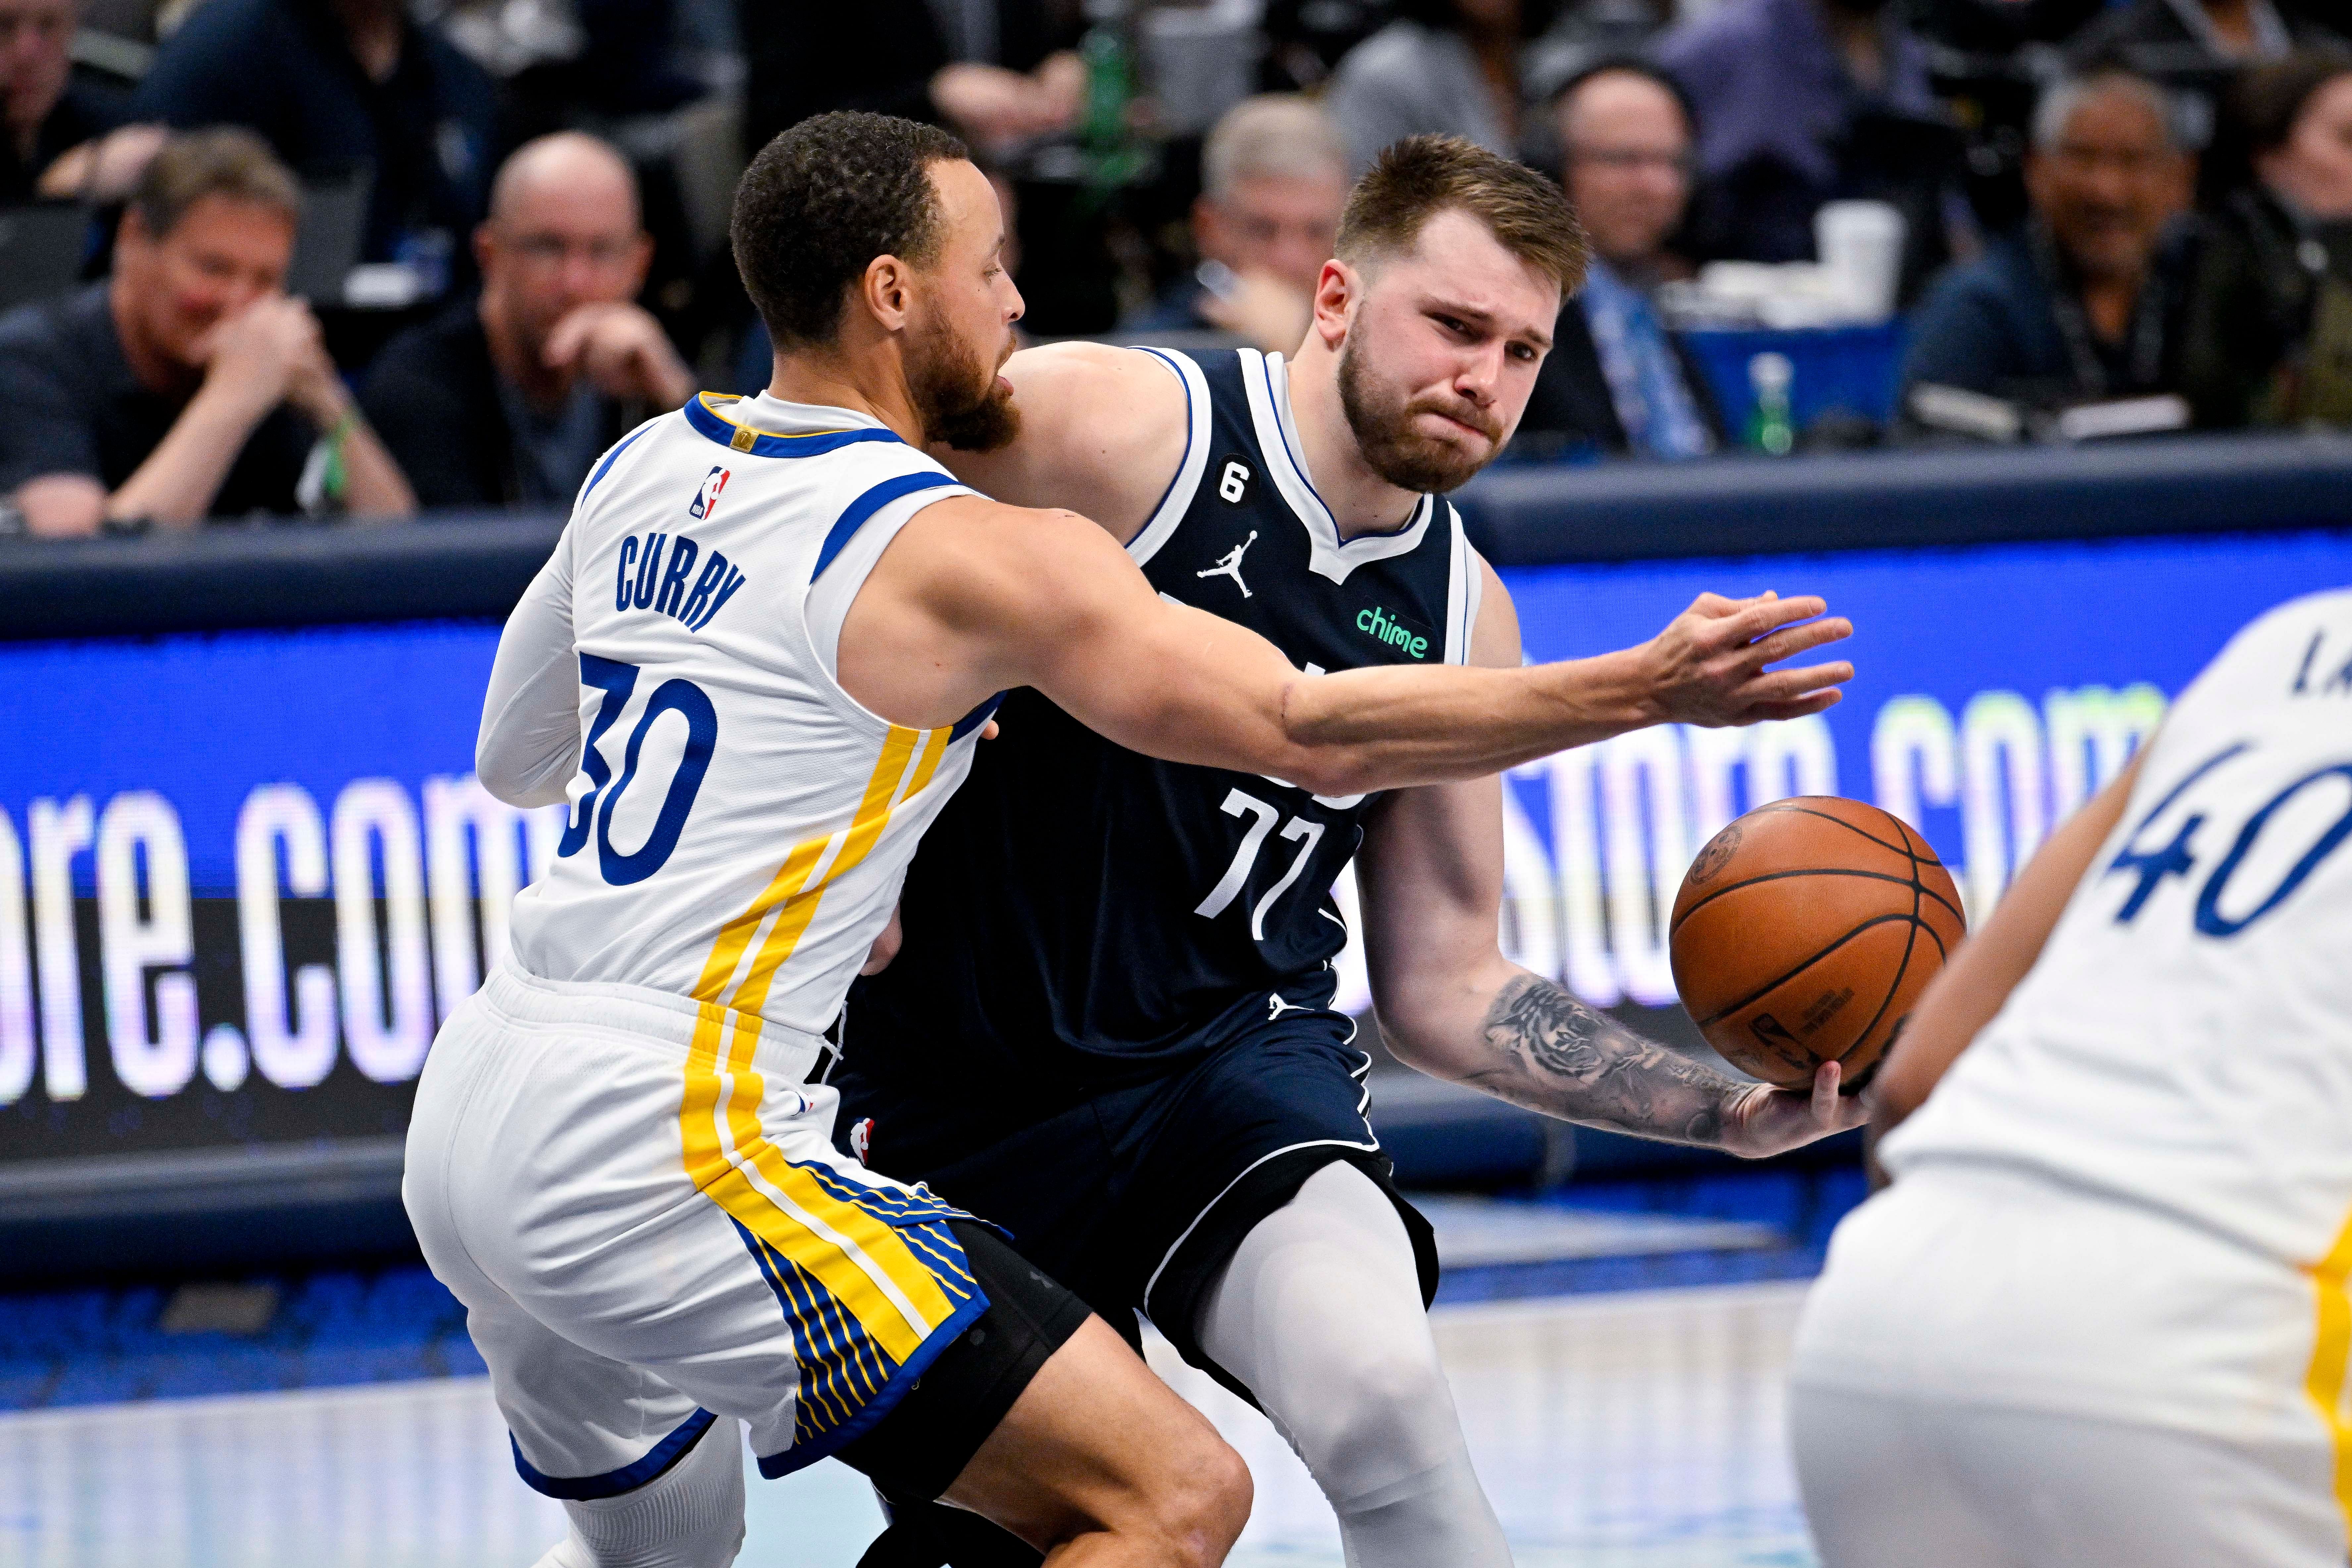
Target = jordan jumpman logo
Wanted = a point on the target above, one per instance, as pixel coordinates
(1231, 566)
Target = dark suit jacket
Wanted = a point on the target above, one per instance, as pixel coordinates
(1570, 409)
(433, 396)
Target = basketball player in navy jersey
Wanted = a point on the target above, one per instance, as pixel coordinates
(1110, 1026)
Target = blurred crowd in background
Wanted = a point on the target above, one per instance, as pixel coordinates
(368, 257)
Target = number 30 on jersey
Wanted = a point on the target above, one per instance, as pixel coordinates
(592, 813)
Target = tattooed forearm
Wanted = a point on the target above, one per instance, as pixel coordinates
(1555, 1055)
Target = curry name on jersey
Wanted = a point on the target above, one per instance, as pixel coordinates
(738, 823)
(1102, 912)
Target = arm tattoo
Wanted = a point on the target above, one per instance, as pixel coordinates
(1555, 1055)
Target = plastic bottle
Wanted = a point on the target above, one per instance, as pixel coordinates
(1772, 429)
(1111, 77)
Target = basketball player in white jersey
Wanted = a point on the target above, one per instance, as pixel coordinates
(2100, 1319)
(754, 668)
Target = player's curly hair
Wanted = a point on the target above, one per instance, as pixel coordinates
(821, 201)
(1416, 178)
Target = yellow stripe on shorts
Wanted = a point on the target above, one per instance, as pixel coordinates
(2330, 1354)
(859, 1260)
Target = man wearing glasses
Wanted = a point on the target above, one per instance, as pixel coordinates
(1616, 380)
(507, 398)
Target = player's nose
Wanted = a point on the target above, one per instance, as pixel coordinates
(1479, 377)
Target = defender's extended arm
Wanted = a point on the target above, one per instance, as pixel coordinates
(1452, 1007)
(973, 597)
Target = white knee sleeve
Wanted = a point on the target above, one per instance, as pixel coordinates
(1319, 1313)
(691, 1517)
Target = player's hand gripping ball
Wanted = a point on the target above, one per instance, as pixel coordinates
(1804, 933)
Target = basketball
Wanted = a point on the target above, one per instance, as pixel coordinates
(1805, 931)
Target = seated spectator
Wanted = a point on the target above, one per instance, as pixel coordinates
(507, 398)
(1616, 379)
(2085, 304)
(2195, 49)
(1808, 102)
(2270, 334)
(335, 86)
(1447, 65)
(187, 385)
(1274, 177)
(43, 110)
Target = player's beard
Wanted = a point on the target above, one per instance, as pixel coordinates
(1393, 449)
(957, 395)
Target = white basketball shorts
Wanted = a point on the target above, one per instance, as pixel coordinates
(1996, 1371)
(637, 1199)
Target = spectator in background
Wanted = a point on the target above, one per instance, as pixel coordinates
(2195, 50)
(1616, 379)
(2270, 333)
(187, 385)
(2086, 303)
(1808, 102)
(2152, 36)
(1274, 177)
(335, 86)
(1447, 65)
(507, 398)
(997, 72)
(44, 113)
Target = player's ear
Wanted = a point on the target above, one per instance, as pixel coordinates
(885, 290)
(1336, 291)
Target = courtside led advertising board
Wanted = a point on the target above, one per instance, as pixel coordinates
(243, 875)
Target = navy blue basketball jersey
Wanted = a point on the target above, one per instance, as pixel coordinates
(1081, 911)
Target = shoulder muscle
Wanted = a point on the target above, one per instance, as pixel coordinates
(1102, 431)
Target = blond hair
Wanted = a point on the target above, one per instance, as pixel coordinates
(1418, 177)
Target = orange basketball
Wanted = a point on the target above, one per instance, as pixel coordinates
(1804, 933)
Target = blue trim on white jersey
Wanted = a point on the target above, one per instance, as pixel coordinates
(611, 457)
(867, 505)
(612, 1483)
(768, 444)
(976, 718)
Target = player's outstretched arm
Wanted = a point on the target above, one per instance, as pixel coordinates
(974, 598)
(1975, 985)
(1451, 1005)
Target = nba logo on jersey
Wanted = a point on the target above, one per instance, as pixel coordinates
(861, 1138)
(706, 499)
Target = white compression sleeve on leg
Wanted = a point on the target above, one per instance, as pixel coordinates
(1319, 1313)
(691, 1517)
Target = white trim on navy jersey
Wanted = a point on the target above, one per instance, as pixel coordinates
(1464, 586)
(1181, 489)
(1267, 381)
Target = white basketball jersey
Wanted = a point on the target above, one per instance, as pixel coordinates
(739, 825)
(2185, 1041)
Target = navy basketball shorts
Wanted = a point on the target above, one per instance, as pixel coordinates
(1135, 1195)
